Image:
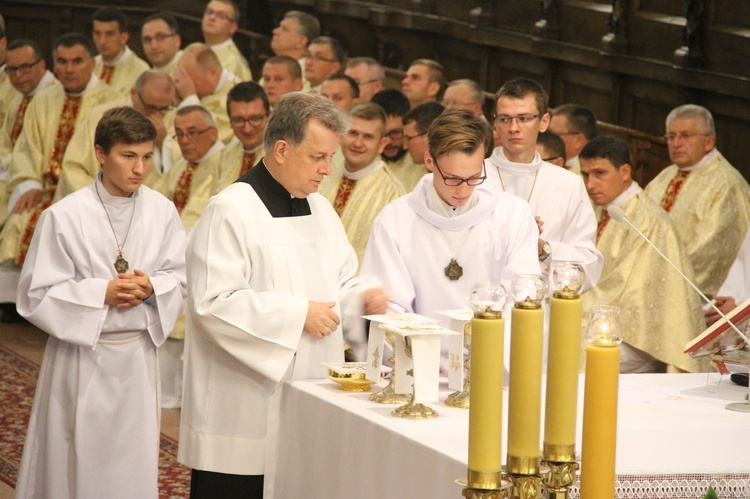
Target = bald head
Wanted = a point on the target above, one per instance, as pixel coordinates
(201, 64)
(153, 92)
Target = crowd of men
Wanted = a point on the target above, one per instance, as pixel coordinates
(108, 161)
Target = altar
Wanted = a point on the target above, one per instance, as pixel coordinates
(674, 439)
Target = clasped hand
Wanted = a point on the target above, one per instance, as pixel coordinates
(129, 290)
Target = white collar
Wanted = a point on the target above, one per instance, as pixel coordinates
(218, 146)
(226, 76)
(221, 45)
(499, 160)
(43, 83)
(94, 81)
(705, 159)
(483, 201)
(625, 195)
(121, 57)
(376, 164)
(254, 150)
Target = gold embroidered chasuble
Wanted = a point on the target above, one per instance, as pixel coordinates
(232, 59)
(171, 65)
(230, 164)
(660, 312)
(216, 104)
(711, 214)
(124, 72)
(407, 172)
(368, 197)
(50, 121)
(7, 92)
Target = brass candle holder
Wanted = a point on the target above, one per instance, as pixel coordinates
(561, 476)
(388, 395)
(460, 400)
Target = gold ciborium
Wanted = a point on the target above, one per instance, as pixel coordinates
(350, 376)
(388, 394)
(460, 400)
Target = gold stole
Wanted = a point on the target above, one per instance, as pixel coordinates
(18, 123)
(182, 189)
(65, 130)
(346, 186)
(107, 73)
(248, 161)
(673, 189)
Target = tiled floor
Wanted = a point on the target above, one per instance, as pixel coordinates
(28, 341)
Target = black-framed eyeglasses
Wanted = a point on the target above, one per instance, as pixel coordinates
(254, 121)
(221, 15)
(521, 119)
(409, 138)
(22, 69)
(191, 134)
(150, 108)
(159, 37)
(456, 181)
(395, 134)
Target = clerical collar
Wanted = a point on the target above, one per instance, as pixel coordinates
(255, 150)
(499, 160)
(275, 198)
(376, 165)
(120, 57)
(436, 203)
(218, 146)
(226, 76)
(625, 196)
(43, 83)
(221, 45)
(106, 196)
(705, 159)
(93, 81)
(484, 201)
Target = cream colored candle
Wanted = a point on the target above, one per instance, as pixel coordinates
(486, 403)
(525, 390)
(562, 379)
(600, 420)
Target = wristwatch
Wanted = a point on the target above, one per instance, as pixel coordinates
(546, 251)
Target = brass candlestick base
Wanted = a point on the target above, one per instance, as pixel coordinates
(497, 487)
(388, 395)
(560, 479)
(459, 400)
(415, 411)
(526, 486)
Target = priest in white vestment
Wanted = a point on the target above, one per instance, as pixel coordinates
(430, 248)
(161, 41)
(105, 277)
(557, 197)
(220, 22)
(659, 311)
(270, 275)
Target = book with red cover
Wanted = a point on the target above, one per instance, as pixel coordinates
(721, 339)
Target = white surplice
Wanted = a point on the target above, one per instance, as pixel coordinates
(559, 198)
(410, 246)
(94, 428)
(250, 279)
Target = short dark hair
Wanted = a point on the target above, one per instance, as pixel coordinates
(109, 14)
(553, 143)
(170, 21)
(235, 8)
(581, 119)
(292, 66)
(248, 91)
(341, 76)
(521, 87)
(424, 114)
(71, 40)
(613, 149)
(435, 73)
(25, 42)
(123, 125)
(458, 130)
(393, 102)
(339, 55)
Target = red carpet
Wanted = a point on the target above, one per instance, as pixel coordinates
(17, 383)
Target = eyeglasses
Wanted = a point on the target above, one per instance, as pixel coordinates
(221, 15)
(360, 83)
(254, 121)
(521, 119)
(456, 181)
(22, 69)
(320, 58)
(150, 108)
(396, 134)
(159, 37)
(683, 136)
(191, 134)
(409, 138)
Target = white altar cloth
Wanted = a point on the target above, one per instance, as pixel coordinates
(674, 439)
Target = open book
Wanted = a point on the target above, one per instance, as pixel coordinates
(722, 340)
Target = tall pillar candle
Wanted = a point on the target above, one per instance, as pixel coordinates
(486, 403)
(600, 406)
(525, 390)
(562, 379)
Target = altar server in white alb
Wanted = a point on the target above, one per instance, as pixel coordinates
(105, 277)
(271, 273)
(557, 197)
(429, 248)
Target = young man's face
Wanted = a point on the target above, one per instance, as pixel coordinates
(362, 143)
(603, 181)
(74, 67)
(248, 121)
(339, 92)
(278, 81)
(108, 38)
(394, 138)
(456, 165)
(518, 125)
(125, 166)
(219, 21)
(159, 43)
(415, 142)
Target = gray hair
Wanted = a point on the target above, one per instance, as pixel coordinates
(371, 64)
(309, 26)
(477, 94)
(185, 110)
(693, 111)
(293, 113)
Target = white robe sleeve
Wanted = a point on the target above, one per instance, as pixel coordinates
(522, 248)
